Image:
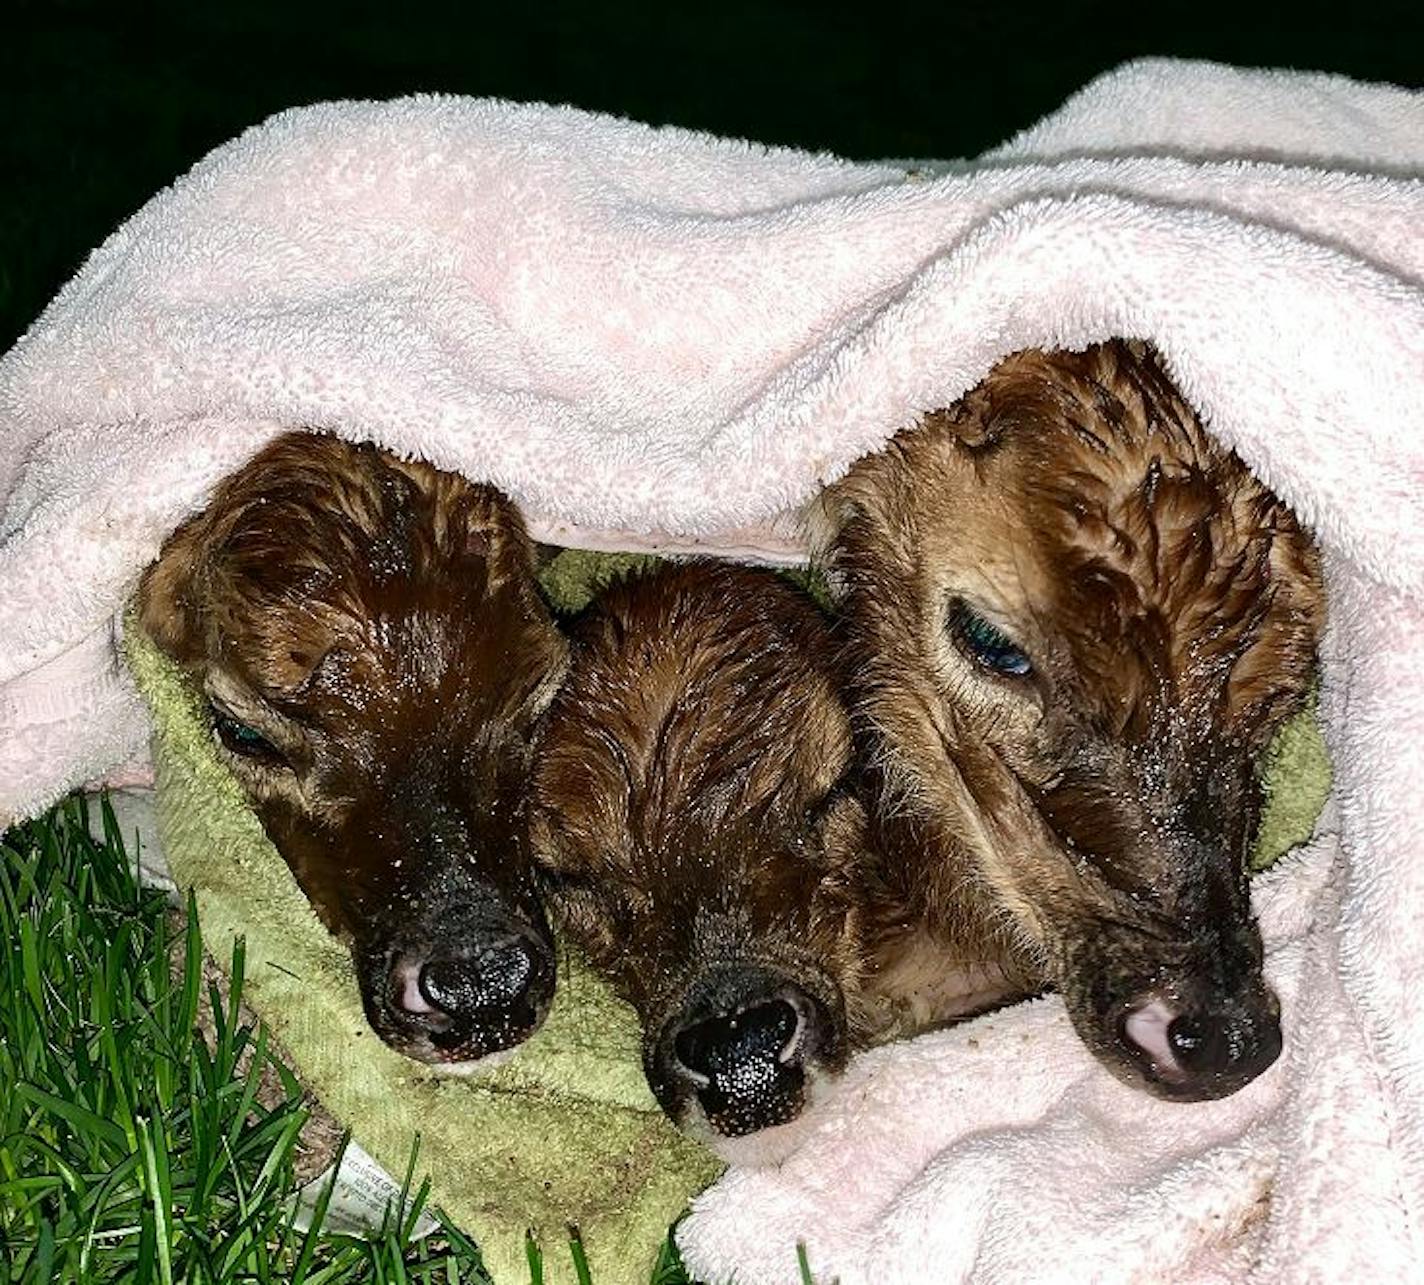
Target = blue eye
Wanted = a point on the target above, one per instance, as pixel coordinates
(986, 643)
(242, 739)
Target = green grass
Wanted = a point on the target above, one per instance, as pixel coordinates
(134, 1149)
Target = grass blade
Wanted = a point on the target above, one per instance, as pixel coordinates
(576, 1252)
(160, 1194)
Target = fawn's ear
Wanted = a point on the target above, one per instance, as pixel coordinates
(841, 823)
(976, 422)
(492, 530)
(872, 491)
(173, 591)
(168, 592)
(866, 519)
(862, 498)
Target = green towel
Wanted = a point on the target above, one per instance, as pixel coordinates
(1296, 776)
(567, 1131)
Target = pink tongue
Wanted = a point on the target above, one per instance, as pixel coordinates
(1147, 1028)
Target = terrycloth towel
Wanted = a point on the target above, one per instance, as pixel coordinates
(565, 1132)
(652, 338)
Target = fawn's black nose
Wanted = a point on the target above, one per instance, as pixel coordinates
(743, 1050)
(470, 1002)
(1207, 1049)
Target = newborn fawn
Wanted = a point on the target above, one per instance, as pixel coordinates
(693, 814)
(373, 653)
(1076, 621)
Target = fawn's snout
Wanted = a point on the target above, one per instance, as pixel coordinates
(742, 1044)
(1162, 971)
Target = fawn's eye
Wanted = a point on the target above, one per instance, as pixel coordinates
(986, 644)
(242, 739)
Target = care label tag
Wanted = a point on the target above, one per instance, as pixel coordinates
(363, 1193)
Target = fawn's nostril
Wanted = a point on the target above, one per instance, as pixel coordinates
(1235, 1043)
(1146, 1027)
(742, 1045)
(496, 992)
(1188, 1039)
(492, 980)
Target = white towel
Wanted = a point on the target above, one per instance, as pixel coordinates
(655, 339)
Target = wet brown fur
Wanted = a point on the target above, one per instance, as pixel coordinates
(691, 802)
(1087, 825)
(378, 623)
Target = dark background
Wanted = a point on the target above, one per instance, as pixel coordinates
(105, 102)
